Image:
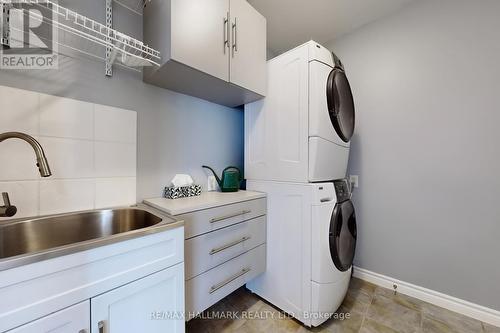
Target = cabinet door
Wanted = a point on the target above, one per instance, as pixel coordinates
(248, 47)
(199, 31)
(154, 304)
(75, 319)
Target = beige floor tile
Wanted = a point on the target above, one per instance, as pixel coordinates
(205, 326)
(490, 329)
(394, 314)
(358, 284)
(455, 321)
(371, 309)
(351, 324)
(401, 299)
(242, 300)
(371, 326)
(434, 326)
(357, 301)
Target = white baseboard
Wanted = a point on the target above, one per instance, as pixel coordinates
(451, 303)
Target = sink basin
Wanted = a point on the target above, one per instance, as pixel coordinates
(47, 237)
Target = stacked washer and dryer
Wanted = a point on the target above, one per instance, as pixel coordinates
(296, 151)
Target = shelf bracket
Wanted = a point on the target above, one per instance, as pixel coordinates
(5, 37)
(110, 55)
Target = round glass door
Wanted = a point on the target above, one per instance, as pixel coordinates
(343, 235)
(340, 104)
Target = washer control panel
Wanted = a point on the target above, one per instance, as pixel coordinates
(342, 189)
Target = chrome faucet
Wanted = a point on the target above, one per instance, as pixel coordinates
(41, 162)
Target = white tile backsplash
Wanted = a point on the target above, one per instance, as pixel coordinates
(116, 125)
(23, 195)
(91, 150)
(66, 118)
(114, 192)
(69, 158)
(115, 159)
(60, 196)
(18, 110)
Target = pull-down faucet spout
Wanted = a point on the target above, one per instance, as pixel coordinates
(41, 160)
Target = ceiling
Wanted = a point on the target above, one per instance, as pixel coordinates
(292, 22)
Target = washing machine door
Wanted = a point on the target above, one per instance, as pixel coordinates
(343, 235)
(340, 103)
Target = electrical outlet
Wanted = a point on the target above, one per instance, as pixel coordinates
(212, 184)
(354, 180)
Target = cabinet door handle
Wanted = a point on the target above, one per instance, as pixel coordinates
(100, 326)
(235, 36)
(222, 218)
(82, 331)
(230, 245)
(228, 281)
(226, 32)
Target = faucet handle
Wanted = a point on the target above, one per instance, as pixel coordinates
(6, 200)
(8, 210)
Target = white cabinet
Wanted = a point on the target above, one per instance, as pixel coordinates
(198, 35)
(123, 285)
(75, 319)
(212, 49)
(248, 53)
(225, 244)
(153, 304)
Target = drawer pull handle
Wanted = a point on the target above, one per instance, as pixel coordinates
(222, 218)
(230, 245)
(228, 281)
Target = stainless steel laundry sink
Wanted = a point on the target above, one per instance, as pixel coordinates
(33, 240)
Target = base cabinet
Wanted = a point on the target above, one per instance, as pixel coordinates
(154, 304)
(75, 319)
(128, 287)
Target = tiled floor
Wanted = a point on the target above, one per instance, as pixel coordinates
(370, 309)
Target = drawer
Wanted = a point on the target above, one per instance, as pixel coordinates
(214, 248)
(210, 287)
(76, 318)
(203, 221)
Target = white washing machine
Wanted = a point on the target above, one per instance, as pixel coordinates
(301, 131)
(311, 240)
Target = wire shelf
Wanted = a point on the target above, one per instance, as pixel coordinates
(128, 50)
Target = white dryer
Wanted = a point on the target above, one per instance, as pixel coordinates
(301, 131)
(311, 240)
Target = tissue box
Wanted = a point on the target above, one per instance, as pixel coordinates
(172, 192)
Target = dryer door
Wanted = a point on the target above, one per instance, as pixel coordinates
(340, 104)
(343, 234)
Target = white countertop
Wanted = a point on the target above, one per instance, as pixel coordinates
(204, 201)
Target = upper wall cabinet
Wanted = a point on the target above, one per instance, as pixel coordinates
(211, 49)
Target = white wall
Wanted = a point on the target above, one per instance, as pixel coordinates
(91, 150)
(427, 87)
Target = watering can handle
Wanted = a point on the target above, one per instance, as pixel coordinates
(236, 168)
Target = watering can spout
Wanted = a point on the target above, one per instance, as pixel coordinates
(215, 174)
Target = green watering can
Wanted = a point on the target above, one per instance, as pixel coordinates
(231, 178)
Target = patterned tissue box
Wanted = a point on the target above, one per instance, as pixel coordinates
(172, 192)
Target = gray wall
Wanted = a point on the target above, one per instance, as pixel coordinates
(176, 133)
(427, 89)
